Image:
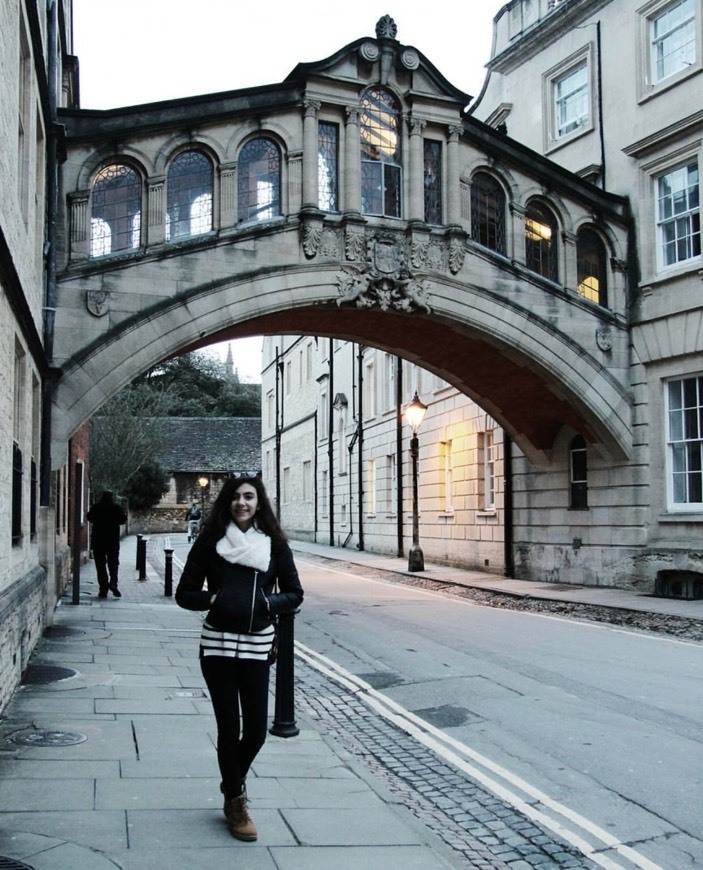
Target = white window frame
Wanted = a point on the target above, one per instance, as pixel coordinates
(674, 434)
(448, 476)
(554, 136)
(650, 82)
(370, 492)
(691, 214)
(489, 470)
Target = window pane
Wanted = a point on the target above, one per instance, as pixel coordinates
(327, 166)
(541, 241)
(189, 195)
(591, 259)
(673, 39)
(259, 182)
(679, 215)
(685, 416)
(433, 181)
(488, 212)
(115, 210)
(571, 101)
(380, 153)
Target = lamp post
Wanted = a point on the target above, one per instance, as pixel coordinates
(203, 482)
(414, 413)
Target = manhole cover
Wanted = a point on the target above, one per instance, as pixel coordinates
(11, 864)
(56, 632)
(39, 674)
(47, 738)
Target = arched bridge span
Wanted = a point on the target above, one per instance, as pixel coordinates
(482, 281)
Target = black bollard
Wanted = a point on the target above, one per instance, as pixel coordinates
(284, 715)
(168, 572)
(141, 557)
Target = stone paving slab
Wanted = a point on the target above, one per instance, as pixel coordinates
(32, 795)
(366, 857)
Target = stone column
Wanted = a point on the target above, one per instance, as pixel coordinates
(568, 271)
(156, 212)
(453, 177)
(352, 162)
(416, 190)
(228, 195)
(79, 205)
(516, 234)
(310, 154)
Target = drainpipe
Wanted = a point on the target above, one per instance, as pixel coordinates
(314, 477)
(50, 248)
(599, 65)
(399, 451)
(330, 438)
(279, 421)
(508, 528)
(360, 455)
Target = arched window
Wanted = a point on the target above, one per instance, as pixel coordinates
(381, 161)
(591, 259)
(116, 206)
(541, 235)
(488, 212)
(578, 474)
(259, 180)
(189, 196)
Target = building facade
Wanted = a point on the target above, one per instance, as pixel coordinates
(336, 457)
(37, 511)
(612, 92)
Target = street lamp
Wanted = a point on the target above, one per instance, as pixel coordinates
(414, 413)
(203, 482)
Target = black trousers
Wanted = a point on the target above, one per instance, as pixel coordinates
(107, 563)
(239, 690)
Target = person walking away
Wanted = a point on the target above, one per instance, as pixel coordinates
(193, 516)
(106, 517)
(243, 555)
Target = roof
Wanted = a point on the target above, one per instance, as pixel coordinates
(212, 444)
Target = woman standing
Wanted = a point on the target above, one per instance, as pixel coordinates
(242, 553)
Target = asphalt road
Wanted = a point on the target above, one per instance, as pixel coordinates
(598, 727)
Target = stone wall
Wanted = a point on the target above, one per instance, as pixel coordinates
(22, 608)
(159, 520)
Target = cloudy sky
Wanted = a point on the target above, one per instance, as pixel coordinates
(139, 51)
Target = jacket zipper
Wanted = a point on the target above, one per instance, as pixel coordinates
(253, 603)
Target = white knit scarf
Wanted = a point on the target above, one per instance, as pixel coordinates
(251, 548)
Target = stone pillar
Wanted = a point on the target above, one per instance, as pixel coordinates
(516, 234)
(228, 195)
(310, 154)
(569, 269)
(453, 177)
(416, 192)
(156, 211)
(79, 205)
(352, 162)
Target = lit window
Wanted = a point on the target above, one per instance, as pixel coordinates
(380, 153)
(189, 196)
(578, 474)
(571, 108)
(327, 166)
(259, 181)
(488, 212)
(591, 263)
(678, 210)
(673, 39)
(685, 442)
(541, 241)
(115, 210)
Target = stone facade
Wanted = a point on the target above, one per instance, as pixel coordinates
(612, 91)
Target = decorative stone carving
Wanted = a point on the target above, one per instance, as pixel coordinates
(369, 51)
(354, 244)
(386, 28)
(398, 293)
(457, 253)
(312, 236)
(604, 339)
(96, 302)
(410, 59)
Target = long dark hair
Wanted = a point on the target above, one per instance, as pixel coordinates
(220, 515)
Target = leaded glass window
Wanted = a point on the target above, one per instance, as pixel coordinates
(189, 196)
(328, 166)
(685, 438)
(116, 205)
(259, 180)
(380, 153)
(541, 233)
(591, 264)
(578, 474)
(488, 212)
(433, 181)
(679, 215)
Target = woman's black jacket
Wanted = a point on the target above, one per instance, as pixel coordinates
(245, 600)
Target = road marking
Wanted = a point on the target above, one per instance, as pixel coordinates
(541, 808)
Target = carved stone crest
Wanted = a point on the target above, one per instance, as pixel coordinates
(604, 339)
(386, 254)
(96, 302)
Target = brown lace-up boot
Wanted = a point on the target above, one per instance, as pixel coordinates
(239, 821)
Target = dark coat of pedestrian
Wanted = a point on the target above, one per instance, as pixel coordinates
(106, 518)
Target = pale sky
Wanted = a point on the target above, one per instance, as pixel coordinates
(140, 51)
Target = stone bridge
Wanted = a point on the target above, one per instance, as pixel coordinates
(355, 199)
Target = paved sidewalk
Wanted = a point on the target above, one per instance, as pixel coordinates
(141, 789)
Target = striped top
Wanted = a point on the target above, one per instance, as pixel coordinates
(256, 645)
